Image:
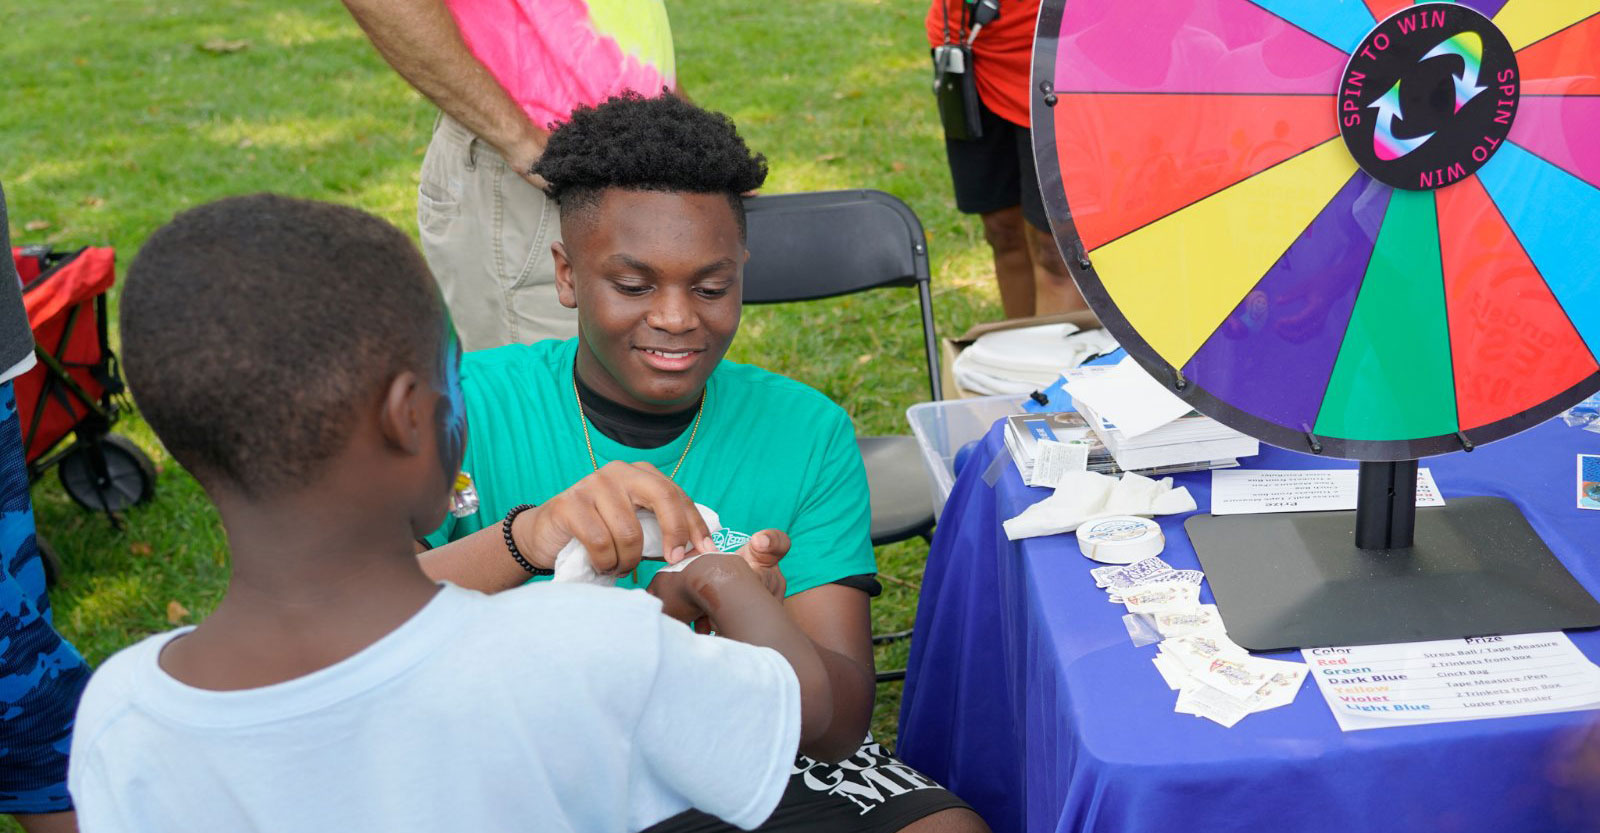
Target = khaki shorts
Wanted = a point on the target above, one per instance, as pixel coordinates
(486, 234)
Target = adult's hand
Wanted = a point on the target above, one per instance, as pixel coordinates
(763, 552)
(525, 170)
(600, 511)
(420, 39)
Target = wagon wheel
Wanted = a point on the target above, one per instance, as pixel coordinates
(108, 475)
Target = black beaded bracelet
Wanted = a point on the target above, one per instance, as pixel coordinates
(511, 543)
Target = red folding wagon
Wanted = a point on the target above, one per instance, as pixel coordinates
(74, 389)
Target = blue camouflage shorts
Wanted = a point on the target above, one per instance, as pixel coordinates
(41, 674)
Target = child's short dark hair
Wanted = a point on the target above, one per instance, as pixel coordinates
(255, 328)
(647, 144)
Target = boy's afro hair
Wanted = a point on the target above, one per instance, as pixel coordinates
(647, 144)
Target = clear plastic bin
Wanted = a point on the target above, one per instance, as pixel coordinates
(942, 428)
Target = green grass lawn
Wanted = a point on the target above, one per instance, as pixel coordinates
(118, 113)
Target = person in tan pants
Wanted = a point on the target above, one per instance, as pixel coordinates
(502, 75)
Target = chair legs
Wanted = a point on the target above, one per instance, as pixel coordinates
(886, 638)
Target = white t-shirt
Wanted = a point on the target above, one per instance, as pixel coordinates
(547, 708)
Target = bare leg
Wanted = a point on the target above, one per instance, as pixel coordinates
(1055, 291)
(52, 822)
(948, 821)
(1013, 268)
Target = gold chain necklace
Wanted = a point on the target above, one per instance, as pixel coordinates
(589, 444)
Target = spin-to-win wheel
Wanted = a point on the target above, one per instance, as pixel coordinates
(1361, 228)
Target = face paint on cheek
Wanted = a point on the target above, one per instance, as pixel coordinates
(450, 417)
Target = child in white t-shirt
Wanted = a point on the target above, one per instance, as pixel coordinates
(295, 357)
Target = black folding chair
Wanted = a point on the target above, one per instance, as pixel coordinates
(804, 247)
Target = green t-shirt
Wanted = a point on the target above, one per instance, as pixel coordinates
(769, 453)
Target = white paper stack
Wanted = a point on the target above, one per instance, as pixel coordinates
(1145, 426)
(1026, 359)
(1027, 437)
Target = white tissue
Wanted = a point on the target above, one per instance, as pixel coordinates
(1084, 496)
(1173, 502)
(572, 563)
(1134, 494)
(1026, 358)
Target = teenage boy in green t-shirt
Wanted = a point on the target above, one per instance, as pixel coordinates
(653, 224)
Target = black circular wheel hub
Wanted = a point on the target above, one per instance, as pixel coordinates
(1428, 96)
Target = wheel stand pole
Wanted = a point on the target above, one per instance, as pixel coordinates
(1386, 505)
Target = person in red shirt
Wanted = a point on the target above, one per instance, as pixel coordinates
(994, 175)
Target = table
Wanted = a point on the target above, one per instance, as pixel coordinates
(1025, 696)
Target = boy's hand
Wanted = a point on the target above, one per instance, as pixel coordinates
(599, 511)
(691, 595)
(723, 589)
(676, 599)
(763, 552)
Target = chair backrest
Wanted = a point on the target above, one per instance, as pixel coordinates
(818, 245)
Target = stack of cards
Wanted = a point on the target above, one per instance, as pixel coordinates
(1214, 678)
(1117, 580)
(1218, 680)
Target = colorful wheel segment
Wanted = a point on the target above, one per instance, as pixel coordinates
(1364, 228)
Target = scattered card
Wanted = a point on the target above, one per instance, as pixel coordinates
(1589, 481)
(1198, 619)
(1190, 577)
(1204, 701)
(1170, 670)
(1139, 572)
(1055, 460)
(1281, 686)
(1154, 598)
(1197, 651)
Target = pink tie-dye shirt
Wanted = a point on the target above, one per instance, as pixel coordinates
(554, 55)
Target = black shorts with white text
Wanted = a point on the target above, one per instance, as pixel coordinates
(868, 792)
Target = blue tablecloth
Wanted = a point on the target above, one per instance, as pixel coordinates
(1026, 698)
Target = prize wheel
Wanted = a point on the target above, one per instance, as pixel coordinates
(1363, 228)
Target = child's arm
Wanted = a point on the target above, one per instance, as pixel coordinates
(741, 606)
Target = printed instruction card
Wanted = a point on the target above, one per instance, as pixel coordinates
(1374, 686)
(1258, 491)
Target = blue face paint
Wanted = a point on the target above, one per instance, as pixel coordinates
(451, 415)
